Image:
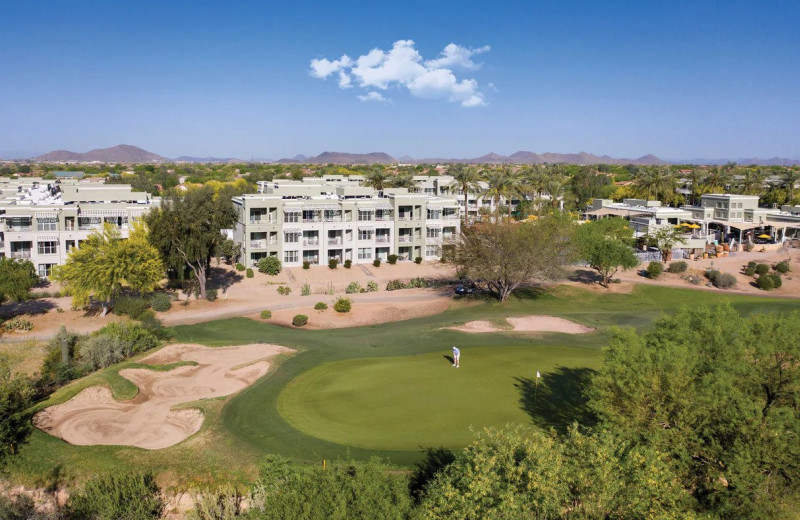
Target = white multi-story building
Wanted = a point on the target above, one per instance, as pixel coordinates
(321, 219)
(42, 220)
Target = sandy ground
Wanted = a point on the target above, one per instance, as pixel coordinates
(149, 420)
(527, 324)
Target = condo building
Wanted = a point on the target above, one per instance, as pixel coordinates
(42, 220)
(319, 219)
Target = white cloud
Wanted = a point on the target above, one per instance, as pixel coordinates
(373, 96)
(402, 66)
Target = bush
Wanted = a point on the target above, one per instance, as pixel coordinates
(376, 262)
(333, 263)
(343, 305)
(161, 302)
(724, 281)
(321, 306)
(783, 267)
(211, 294)
(372, 286)
(249, 273)
(712, 274)
(269, 265)
(239, 267)
(299, 320)
(776, 280)
(18, 324)
(678, 267)
(762, 269)
(654, 270)
(306, 264)
(102, 350)
(305, 290)
(219, 504)
(285, 290)
(132, 306)
(353, 288)
(750, 271)
(418, 260)
(766, 282)
(392, 259)
(265, 315)
(753, 264)
(125, 495)
(134, 336)
(348, 263)
(395, 285)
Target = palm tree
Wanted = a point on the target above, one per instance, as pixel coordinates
(377, 179)
(555, 188)
(719, 178)
(502, 184)
(790, 178)
(403, 180)
(465, 178)
(697, 179)
(752, 182)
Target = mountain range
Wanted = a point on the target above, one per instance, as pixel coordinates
(132, 154)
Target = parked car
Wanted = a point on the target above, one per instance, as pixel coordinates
(461, 290)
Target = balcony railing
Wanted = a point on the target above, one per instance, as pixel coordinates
(311, 259)
(21, 254)
(333, 219)
(20, 228)
(312, 219)
(404, 217)
(310, 242)
(384, 218)
(258, 244)
(382, 239)
(405, 239)
(334, 241)
(89, 227)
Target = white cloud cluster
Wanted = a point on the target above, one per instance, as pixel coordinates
(403, 66)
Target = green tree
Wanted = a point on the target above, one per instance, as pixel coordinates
(17, 278)
(665, 238)
(606, 245)
(790, 178)
(505, 256)
(105, 264)
(16, 397)
(186, 229)
(466, 180)
(377, 178)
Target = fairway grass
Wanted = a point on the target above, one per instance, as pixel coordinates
(403, 403)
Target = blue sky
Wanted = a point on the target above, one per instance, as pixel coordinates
(677, 79)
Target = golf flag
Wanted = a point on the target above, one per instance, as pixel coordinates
(538, 375)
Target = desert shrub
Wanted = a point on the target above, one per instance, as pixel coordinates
(102, 350)
(330, 289)
(161, 302)
(38, 295)
(134, 336)
(417, 283)
(353, 288)
(712, 274)
(249, 273)
(269, 265)
(239, 267)
(343, 305)
(776, 279)
(132, 306)
(18, 324)
(299, 320)
(149, 322)
(724, 281)
(395, 285)
(762, 269)
(333, 263)
(305, 290)
(753, 264)
(765, 282)
(750, 271)
(22, 507)
(783, 267)
(376, 262)
(220, 504)
(265, 315)
(306, 264)
(654, 270)
(418, 260)
(285, 290)
(348, 264)
(126, 496)
(211, 295)
(372, 286)
(678, 267)
(321, 306)
(392, 259)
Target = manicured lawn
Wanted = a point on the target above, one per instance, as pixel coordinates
(382, 390)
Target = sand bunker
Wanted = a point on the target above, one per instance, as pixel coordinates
(148, 421)
(528, 324)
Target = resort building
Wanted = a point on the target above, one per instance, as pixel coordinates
(42, 220)
(320, 219)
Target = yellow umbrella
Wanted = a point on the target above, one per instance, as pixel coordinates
(678, 226)
(694, 226)
(763, 235)
(685, 224)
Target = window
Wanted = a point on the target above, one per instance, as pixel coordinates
(333, 215)
(257, 215)
(364, 253)
(45, 270)
(70, 245)
(432, 251)
(433, 233)
(291, 216)
(291, 237)
(364, 216)
(47, 224)
(47, 248)
(365, 234)
(19, 223)
(434, 214)
(290, 256)
(310, 216)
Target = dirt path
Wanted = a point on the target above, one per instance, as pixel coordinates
(149, 420)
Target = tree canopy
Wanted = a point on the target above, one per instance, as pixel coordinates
(16, 396)
(17, 277)
(606, 245)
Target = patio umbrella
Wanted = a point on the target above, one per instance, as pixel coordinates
(764, 235)
(694, 226)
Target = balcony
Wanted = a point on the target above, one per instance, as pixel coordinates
(21, 254)
(311, 220)
(405, 217)
(382, 239)
(333, 219)
(334, 241)
(405, 239)
(311, 259)
(313, 242)
(258, 244)
(384, 218)
(19, 228)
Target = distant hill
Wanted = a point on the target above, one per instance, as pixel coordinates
(186, 158)
(525, 157)
(775, 161)
(343, 158)
(123, 153)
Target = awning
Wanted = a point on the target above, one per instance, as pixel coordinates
(49, 214)
(292, 231)
(434, 226)
(46, 238)
(617, 212)
(741, 226)
(103, 213)
(435, 207)
(292, 210)
(368, 228)
(320, 207)
(383, 205)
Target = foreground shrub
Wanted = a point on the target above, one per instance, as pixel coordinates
(765, 282)
(161, 302)
(762, 269)
(372, 286)
(239, 267)
(285, 290)
(753, 264)
(250, 273)
(678, 267)
(124, 496)
(305, 290)
(269, 265)
(211, 295)
(333, 263)
(654, 270)
(418, 260)
(265, 315)
(102, 350)
(321, 306)
(750, 271)
(392, 259)
(395, 285)
(776, 279)
(724, 281)
(18, 324)
(299, 320)
(132, 306)
(306, 264)
(134, 336)
(376, 262)
(221, 504)
(348, 264)
(783, 267)
(353, 288)
(712, 274)
(417, 283)
(343, 305)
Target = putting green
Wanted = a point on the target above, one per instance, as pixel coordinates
(404, 403)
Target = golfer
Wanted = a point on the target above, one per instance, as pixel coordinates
(456, 356)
